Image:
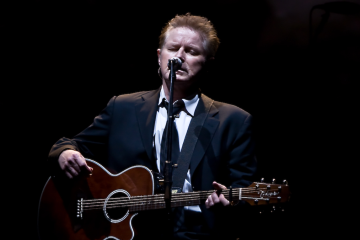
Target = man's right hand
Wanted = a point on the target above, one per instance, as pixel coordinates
(73, 163)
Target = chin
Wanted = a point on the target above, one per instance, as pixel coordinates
(182, 79)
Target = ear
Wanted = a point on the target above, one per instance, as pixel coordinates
(158, 54)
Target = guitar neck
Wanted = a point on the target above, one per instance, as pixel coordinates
(139, 203)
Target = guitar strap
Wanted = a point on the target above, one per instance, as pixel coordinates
(191, 138)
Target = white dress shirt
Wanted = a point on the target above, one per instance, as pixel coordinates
(182, 124)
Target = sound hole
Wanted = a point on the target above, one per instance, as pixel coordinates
(112, 207)
(111, 238)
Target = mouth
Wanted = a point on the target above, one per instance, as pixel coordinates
(181, 71)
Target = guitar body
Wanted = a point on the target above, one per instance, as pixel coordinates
(60, 209)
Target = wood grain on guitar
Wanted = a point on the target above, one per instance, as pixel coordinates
(102, 206)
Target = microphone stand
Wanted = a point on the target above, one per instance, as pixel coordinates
(168, 164)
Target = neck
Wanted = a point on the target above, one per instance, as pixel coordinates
(182, 90)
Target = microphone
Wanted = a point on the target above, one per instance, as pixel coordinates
(176, 63)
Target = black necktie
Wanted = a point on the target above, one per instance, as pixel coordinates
(177, 108)
(178, 213)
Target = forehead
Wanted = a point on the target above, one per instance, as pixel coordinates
(183, 35)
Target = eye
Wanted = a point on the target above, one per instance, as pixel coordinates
(173, 49)
(193, 52)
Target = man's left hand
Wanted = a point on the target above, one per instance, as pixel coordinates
(214, 198)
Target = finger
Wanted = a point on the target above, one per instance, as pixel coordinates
(223, 200)
(209, 202)
(215, 198)
(71, 171)
(218, 186)
(73, 163)
(81, 162)
(68, 175)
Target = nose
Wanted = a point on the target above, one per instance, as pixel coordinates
(181, 54)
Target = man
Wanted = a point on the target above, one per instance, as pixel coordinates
(214, 136)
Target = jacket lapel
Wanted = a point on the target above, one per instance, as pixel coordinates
(146, 113)
(200, 132)
(205, 133)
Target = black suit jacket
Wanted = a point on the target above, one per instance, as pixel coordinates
(122, 136)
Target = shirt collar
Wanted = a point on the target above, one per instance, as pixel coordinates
(190, 105)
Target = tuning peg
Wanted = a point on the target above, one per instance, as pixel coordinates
(262, 180)
(273, 181)
(285, 182)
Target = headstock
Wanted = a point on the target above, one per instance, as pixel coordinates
(260, 193)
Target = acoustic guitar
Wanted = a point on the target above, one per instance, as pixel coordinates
(101, 206)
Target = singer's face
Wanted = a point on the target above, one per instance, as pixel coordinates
(187, 45)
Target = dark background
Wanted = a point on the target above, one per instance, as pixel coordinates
(64, 60)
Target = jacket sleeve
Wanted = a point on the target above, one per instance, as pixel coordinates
(242, 162)
(91, 142)
(240, 170)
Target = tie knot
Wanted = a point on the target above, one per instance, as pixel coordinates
(178, 106)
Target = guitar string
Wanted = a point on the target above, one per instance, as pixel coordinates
(235, 191)
(136, 199)
(141, 201)
(154, 197)
(189, 201)
(157, 205)
(159, 199)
